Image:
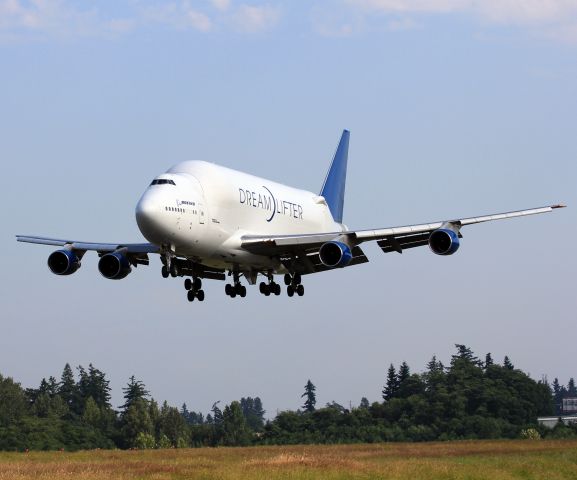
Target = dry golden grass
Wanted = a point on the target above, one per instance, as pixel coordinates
(495, 460)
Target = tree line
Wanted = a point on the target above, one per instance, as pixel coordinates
(469, 398)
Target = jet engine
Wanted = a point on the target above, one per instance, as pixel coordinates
(114, 266)
(444, 241)
(63, 262)
(335, 254)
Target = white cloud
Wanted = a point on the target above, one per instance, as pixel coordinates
(121, 25)
(221, 5)
(553, 18)
(252, 18)
(402, 24)
(506, 11)
(404, 6)
(179, 15)
(45, 17)
(41, 19)
(197, 20)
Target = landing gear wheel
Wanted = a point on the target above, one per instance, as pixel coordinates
(188, 284)
(164, 272)
(228, 289)
(174, 272)
(242, 291)
(190, 295)
(300, 290)
(297, 279)
(232, 294)
(287, 279)
(200, 295)
(262, 288)
(197, 283)
(276, 289)
(290, 290)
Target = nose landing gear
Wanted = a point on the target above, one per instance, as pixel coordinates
(194, 287)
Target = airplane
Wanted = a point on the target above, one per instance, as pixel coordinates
(206, 221)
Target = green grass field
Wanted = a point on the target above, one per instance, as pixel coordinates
(495, 460)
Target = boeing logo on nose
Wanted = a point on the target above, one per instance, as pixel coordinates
(268, 202)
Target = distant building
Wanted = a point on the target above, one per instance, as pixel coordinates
(550, 422)
(569, 406)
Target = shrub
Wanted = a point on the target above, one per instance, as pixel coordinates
(530, 434)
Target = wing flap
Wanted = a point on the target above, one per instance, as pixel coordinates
(400, 243)
(311, 262)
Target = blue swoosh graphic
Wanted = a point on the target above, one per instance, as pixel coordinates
(273, 201)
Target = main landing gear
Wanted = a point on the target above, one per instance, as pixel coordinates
(232, 290)
(194, 287)
(294, 285)
(270, 287)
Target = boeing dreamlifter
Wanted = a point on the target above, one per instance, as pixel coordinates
(205, 221)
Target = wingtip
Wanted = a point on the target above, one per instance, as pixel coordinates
(559, 205)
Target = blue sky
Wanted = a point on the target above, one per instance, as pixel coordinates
(455, 107)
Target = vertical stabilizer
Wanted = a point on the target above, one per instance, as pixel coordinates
(334, 187)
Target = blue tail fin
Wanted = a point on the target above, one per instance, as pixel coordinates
(334, 187)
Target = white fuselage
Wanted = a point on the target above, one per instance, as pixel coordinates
(200, 211)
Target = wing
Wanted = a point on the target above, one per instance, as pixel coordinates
(138, 252)
(302, 251)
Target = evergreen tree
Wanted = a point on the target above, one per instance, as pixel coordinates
(196, 418)
(185, 414)
(67, 388)
(392, 384)
(91, 415)
(434, 377)
(402, 378)
(172, 425)
(253, 412)
(154, 415)
(136, 420)
(216, 413)
(557, 396)
(310, 397)
(12, 402)
(465, 354)
(364, 403)
(488, 360)
(135, 390)
(507, 363)
(235, 429)
(93, 384)
(404, 372)
(434, 365)
(571, 389)
(52, 387)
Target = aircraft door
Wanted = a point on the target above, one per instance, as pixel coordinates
(200, 213)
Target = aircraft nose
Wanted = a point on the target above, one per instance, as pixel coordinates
(148, 214)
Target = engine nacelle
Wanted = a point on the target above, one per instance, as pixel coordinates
(63, 262)
(114, 266)
(335, 254)
(444, 241)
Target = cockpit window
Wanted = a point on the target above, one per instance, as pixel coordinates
(162, 181)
